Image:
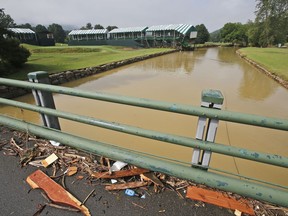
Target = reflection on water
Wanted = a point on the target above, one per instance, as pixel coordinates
(180, 78)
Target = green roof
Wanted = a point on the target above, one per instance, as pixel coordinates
(21, 30)
(88, 31)
(128, 30)
(181, 28)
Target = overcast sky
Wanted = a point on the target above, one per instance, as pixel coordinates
(127, 13)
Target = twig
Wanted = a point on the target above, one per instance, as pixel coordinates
(40, 209)
(63, 181)
(62, 207)
(138, 205)
(87, 197)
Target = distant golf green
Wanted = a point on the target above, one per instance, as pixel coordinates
(274, 60)
(63, 57)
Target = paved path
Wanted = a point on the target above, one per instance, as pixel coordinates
(15, 198)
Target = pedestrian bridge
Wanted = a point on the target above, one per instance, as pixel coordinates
(203, 145)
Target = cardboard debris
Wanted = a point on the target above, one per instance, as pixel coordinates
(120, 174)
(219, 199)
(54, 191)
(125, 186)
(49, 160)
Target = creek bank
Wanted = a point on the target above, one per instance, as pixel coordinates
(70, 75)
(278, 79)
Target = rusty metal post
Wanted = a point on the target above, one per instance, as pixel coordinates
(207, 127)
(44, 98)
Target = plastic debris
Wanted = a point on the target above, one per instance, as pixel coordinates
(113, 181)
(54, 143)
(118, 165)
(130, 192)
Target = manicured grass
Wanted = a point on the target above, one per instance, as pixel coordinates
(273, 59)
(61, 57)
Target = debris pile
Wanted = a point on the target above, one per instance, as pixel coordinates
(63, 161)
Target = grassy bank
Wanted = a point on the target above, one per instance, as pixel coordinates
(274, 60)
(61, 58)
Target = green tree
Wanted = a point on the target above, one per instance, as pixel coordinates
(40, 28)
(58, 32)
(88, 26)
(5, 20)
(235, 33)
(271, 21)
(26, 25)
(98, 26)
(110, 28)
(202, 34)
(11, 53)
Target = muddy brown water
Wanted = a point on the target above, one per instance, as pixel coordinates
(180, 78)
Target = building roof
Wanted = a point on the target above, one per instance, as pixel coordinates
(129, 29)
(21, 30)
(182, 28)
(89, 31)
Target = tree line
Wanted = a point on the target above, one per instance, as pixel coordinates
(269, 28)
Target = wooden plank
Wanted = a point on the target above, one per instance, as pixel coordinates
(125, 186)
(219, 199)
(54, 191)
(120, 174)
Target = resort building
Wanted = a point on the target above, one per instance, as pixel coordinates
(173, 35)
(88, 37)
(24, 35)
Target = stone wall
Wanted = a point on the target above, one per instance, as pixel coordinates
(268, 73)
(67, 76)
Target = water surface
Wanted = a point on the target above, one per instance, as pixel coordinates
(180, 78)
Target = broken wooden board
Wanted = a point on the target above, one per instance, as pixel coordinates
(151, 177)
(219, 199)
(49, 160)
(54, 191)
(120, 174)
(126, 185)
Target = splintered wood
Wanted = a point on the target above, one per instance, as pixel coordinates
(126, 185)
(49, 160)
(120, 174)
(219, 199)
(54, 191)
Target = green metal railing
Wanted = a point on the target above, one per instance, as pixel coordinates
(242, 187)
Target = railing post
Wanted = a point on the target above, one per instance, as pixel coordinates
(44, 98)
(209, 99)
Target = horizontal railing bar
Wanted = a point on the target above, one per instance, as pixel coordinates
(276, 160)
(236, 117)
(215, 180)
(216, 170)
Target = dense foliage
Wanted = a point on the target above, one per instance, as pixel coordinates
(271, 23)
(12, 55)
(58, 32)
(202, 34)
(234, 33)
(269, 28)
